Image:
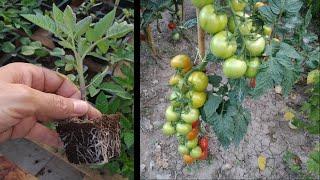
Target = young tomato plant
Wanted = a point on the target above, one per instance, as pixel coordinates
(84, 38)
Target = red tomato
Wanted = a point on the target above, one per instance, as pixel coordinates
(204, 155)
(204, 143)
(196, 124)
(172, 25)
(253, 82)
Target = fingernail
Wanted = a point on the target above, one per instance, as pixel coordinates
(80, 107)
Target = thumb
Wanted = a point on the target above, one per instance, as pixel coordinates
(52, 106)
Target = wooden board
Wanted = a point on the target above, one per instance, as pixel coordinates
(10, 171)
(90, 173)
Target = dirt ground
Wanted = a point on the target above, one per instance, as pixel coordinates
(268, 133)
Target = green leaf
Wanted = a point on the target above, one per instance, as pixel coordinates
(83, 25)
(57, 52)
(57, 14)
(97, 79)
(128, 139)
(91, 35)
(59, 63)
(44, 22)
(215, 80)
(211, 105)
(231, 126)
(83, 45)
(8, 47)
(118, 30)
(313, 162)
(65, 44)
(69, 67)
(93, 91)
(103, 24)
(114, 88)
(69, 19)
(103, 46)
(25, 40)
(102, 103)
(27, 50)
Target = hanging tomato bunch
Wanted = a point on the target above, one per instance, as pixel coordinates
(182, 115)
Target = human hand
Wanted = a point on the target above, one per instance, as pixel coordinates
(29, 94)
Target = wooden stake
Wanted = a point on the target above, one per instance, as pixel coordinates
(150, 40)
(201, 37)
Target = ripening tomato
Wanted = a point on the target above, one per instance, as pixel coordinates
(204, 155)
(168, 129)
(267, 30)
(259, 5)
(221, 47)
(174, 80)
(210, 21)
(172, 25)
(255, 46)
(197, 98)
(196, 124)
(252, 67)
(188, 159)
(201, 3)
(193, 134)
(238, 5)
(198, 80)
(196, 152)
(181, 61)
(191, 115)
(171, 115)
(183, 128)
(204, 143)
(245, 26)
(192, 143)
(234, 68)
(183, 149)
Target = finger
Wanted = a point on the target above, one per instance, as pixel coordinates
(42, 134)
(53, 107)
(93, 113)
(5, 135)
(38, 78)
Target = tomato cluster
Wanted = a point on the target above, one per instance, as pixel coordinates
(226, 28)
(183, 114)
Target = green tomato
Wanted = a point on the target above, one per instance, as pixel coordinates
(191, 116)
(175, 95)
(175, 36)
(221, 47)
(197, 98)
(168, 129)
(256, 46)
(198, 80)
(192, 143)
(267, 30)
(245, 26)
(210, 21)
(252, 67)
(171, 115)
(313, 76)
(183, 128)
(196, 152)
(238, 5)
(183, 149)
(234, 68)
(201, 3)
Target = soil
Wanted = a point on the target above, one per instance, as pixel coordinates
(268, 133)
(93, 142)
